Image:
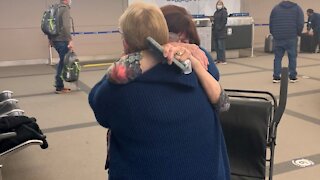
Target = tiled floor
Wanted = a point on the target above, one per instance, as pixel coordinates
(77, 147)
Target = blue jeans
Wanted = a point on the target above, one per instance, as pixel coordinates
(62, 49)
(317, 39)
(220, 47)
(280, 46)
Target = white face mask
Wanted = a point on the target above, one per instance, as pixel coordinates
(219, 6)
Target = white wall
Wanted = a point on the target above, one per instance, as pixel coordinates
(22, 39)
(206, 7)
(260, 11)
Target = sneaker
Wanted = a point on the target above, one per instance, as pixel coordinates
(276, 80)
(224, 62)
(294, 80)
(217, 61)
(62, 91)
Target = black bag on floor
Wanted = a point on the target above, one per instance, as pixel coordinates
(26, 129)
(268, 44)
(307, 43)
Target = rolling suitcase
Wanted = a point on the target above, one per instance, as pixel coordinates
(307, 43)
(268, 44)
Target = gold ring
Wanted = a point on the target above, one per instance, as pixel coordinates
(179, 53)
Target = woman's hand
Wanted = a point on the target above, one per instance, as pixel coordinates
(196, 52)
(179, 53)
(70, 45)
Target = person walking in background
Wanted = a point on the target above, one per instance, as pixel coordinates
(314, 24)
(286, 24)
(182, 29)
(220, 18)
(62, 42)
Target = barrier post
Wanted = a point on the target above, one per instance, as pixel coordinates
(252, 43)
(50, 55)
(0, 172)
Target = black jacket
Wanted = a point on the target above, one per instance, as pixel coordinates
(286, 21)
(26, 129)
(314, 22)
(220, 18)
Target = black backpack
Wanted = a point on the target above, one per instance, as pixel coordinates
(71, 67)
(50, 23)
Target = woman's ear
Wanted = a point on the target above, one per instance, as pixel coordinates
(125, 46)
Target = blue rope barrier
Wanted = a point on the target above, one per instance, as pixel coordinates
(261, 24)
(268, 24)
(98, 32)
(117, 31)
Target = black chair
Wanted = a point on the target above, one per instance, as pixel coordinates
(250, 130)
(16, 149)
(23, 131)
(18, 133)
(4, 136)
(10, 107)
(4, 95)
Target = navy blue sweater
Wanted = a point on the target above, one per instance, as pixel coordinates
(286, 21)
(163, 127)
(212, 68)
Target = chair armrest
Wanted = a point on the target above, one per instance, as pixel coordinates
(19, 148)
(7, 135)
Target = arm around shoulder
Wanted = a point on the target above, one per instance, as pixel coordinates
(208, 82)
(212, 68)
(97, 101)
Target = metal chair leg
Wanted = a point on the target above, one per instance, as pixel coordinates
(0, 172)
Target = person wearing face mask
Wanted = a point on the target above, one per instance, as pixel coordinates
(220, 32)
(62, 42)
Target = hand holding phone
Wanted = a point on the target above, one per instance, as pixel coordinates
(185, 66)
